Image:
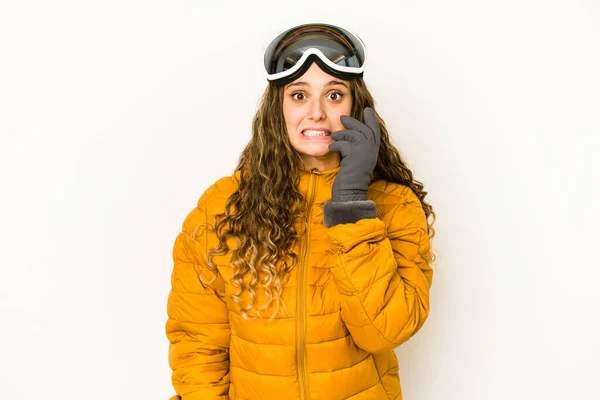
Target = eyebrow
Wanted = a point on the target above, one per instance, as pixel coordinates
(330, 83)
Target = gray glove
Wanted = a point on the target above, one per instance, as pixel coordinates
(358, 145)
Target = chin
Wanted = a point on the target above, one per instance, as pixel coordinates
(316, 152)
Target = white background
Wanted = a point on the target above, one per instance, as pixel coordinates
(116, 115)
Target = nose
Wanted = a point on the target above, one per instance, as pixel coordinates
(317, 109)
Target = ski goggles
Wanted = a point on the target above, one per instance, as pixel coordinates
(337, 51)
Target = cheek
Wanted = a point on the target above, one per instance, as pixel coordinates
(291, 115)
(345, 109)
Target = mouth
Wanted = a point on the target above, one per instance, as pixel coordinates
(314, 133)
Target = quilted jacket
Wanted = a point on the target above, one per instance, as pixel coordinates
(359, 290)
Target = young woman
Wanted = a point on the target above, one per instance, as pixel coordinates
(297, 276)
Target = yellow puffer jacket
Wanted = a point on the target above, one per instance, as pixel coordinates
(358, 291)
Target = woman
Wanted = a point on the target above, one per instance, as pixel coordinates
(298, 275)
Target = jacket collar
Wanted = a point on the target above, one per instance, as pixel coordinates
(318, 182)
(321, 182)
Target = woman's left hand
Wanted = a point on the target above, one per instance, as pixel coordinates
(358, 145)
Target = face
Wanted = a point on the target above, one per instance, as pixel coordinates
(312, 106)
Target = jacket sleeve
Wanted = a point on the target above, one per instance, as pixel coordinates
(198, 322)
(383, 275)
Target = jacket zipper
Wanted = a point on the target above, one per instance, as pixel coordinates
(301, 300)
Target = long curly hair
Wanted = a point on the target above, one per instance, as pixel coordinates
(260, 215)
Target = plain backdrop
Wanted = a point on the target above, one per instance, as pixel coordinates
(115, 116)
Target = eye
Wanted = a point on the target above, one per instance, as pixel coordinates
(336, 96)
(296, 94)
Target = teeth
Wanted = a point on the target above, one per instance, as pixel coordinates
(308, 132)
